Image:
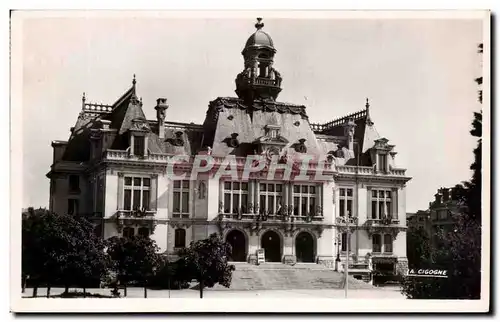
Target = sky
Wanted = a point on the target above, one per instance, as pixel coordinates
(417, 73)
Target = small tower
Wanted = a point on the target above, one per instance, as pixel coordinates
(349, 127)
(161, 109)
(259, 79)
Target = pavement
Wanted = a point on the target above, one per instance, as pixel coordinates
(135, 292)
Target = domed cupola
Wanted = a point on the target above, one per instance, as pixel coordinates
(259, 80)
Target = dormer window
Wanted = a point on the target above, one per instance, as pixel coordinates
(382, 162)
(272, 131)
(139, 146)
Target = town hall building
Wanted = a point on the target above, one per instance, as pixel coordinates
(114, 168)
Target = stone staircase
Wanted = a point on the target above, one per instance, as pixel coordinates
(277, 276)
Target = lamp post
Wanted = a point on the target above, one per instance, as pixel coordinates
(337, 260)
(345, 224)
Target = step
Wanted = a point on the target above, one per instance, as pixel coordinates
(276, 276)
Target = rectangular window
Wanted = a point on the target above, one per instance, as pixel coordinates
(74, 183)
(235, 197)
(143, 231)
(128, 232)
(304, 200)
(139, 145)
(343, 243)
(270, 198)
(381, 204)
(72, 206)
(181, 199)
(345, 202)
(377, 245)
(180, 238)
(443, 214)
(100, 195)
(387, 244)
(136, 194)
(296, 203)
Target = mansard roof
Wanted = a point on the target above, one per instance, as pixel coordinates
(227, 118)
(230, 116)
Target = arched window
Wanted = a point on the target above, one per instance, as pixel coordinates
(128, 232)
(143, 231)
(377, 243)
(387, 244)
(180, 238)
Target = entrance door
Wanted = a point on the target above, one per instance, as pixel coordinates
(304, 247)
(236, 239)
(271, 243)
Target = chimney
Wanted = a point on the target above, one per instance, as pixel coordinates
(161, 108)
(446, 194)
(349, 127)
(438, 197)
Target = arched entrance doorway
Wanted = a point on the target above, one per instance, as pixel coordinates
(236, 239)
(271, 243)
(304, 247)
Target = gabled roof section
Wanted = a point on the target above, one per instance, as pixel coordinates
(133, 112)
(370, 136)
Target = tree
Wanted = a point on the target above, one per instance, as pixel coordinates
(458, 251)
(61, 249)
(418, 247)
(207, 261)
(134, 259)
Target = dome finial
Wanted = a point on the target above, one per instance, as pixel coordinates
(134, 81)
(259, 24)
(367, 105)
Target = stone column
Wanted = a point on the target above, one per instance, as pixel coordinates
(319, 193)
(153, 193)
(119, 204)
(131, 151)
(256, 197)
(288, 250)
(286, 201)
(250, 193)
(253, 245)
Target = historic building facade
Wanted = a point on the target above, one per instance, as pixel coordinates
(115, 168)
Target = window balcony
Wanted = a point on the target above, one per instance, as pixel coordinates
(119, 155)
(283, 214)
(136, 214)
(382, 222)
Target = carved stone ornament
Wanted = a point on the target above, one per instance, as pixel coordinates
(255, 229)
(301, 147)
(221, 206)
(339, 153)
(319, 230)
(178, 140)
(179, 225)
(233, 141)
(271, 151)
(140, 125)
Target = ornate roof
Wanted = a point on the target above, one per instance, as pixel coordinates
(259, 38)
